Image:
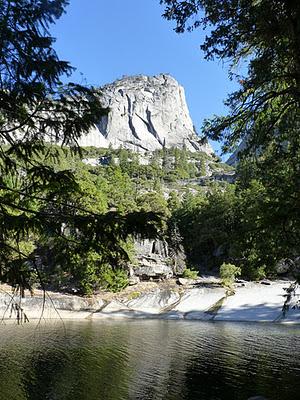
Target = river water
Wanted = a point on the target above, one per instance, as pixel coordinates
(172, 360)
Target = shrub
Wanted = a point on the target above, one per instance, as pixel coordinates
(114, 280)
(189, 274)
(255, 273)
(85, 269)
(228, 273)
(90, 273)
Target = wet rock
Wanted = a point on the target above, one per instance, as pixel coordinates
(254, 302)
(198, 303)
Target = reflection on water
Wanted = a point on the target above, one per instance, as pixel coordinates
(149, 360)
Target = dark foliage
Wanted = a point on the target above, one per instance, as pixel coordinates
(262, 37)
(37, 199)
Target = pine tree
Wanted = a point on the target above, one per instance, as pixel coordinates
(36, 199)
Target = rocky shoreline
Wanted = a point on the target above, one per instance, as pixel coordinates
(204, 301)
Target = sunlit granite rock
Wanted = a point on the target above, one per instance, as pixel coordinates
(145, 113)
(253, 302)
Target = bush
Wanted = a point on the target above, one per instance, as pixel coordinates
(255, 273)
(91, 273)
(189, 274)
(114, 280)
(228, 273)
(86, 271)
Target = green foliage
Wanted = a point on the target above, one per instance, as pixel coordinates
(164, 166)
(134, 295)
(153, 201)
(173, 201)
(234, 224)
(264, 114)
(90, 272)
(228, 273)
(205, 223)
(114, 281)
(255, 273)
(121, 190)
(87, 270)
(190, 274)
(264, 35)
(34, 108)
(227, 223)
(73, 219)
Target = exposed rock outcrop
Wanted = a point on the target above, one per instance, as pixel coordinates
(251, 302)
(278, 302)
(156, 261)
(54, 306)
(146, 113)
(152, 257)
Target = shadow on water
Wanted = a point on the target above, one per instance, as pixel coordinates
(170, 360)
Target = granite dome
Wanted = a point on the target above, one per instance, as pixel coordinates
(146, 113)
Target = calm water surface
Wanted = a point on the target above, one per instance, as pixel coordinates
(169, 360)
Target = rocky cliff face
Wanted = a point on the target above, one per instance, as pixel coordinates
(146, 113)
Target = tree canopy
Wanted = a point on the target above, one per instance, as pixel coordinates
(54, 210)
(261, 38)
(266, 36)
(40, 201)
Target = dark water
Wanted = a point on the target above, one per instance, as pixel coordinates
(149, 360)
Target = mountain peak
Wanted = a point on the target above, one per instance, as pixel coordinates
(145, 113)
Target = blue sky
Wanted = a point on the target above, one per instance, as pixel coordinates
(105, 40)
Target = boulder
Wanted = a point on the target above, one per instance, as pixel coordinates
(265, 282)
(151, 268)
(151, 248)
(200, 303)
(284, 266)
(255, 302)
(133, 280)
(184, 281)
(153, 260)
